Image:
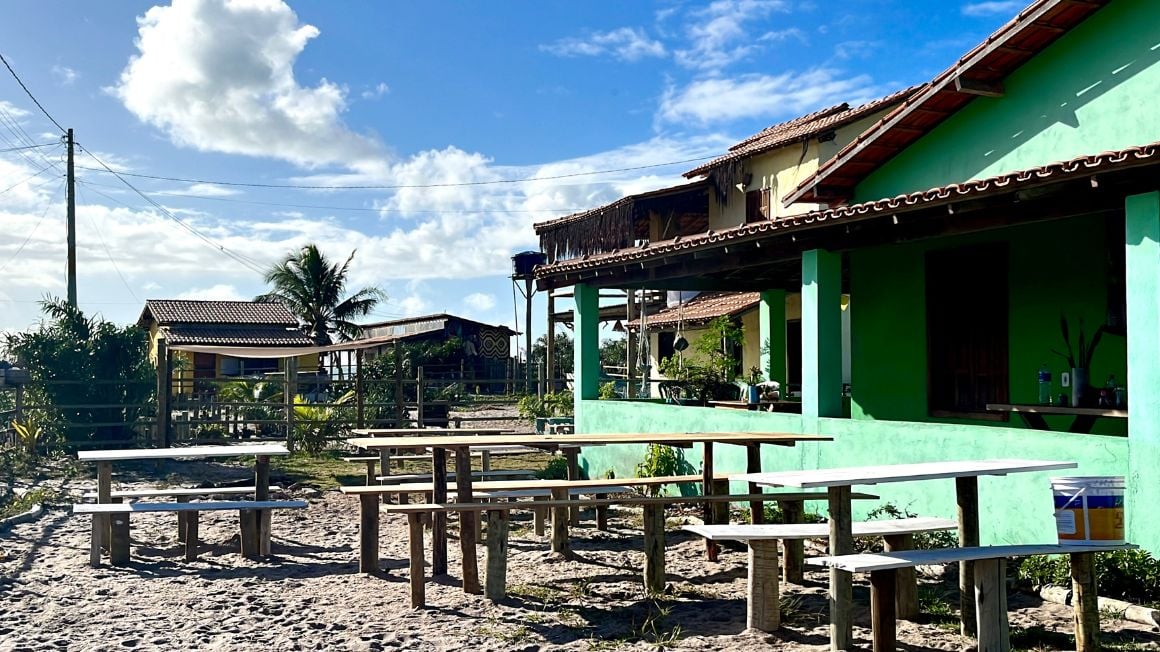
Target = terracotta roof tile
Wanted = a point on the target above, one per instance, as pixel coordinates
(179, 311)
(702, 308)
(1078, 167)
(258, 335)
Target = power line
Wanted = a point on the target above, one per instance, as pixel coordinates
(28, 178)
(33, 231)
(23, 147)
(403, 186)
(30, 95)
(109, 255)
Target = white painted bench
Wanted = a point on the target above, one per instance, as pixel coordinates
(249, 516)
(762, 610)
(990, 564)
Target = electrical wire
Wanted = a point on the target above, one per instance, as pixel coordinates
(27, 179)
(23, 147)
(403, 186)
(31, 233)
(109, 255)
(30, 95)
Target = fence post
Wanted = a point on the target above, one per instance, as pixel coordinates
(164, 388)
(540, 379)
(400, 404)
(419, 392)
(19, 414)
(289, 391)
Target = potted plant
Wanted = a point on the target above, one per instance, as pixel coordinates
(1079, 359)
(754, 379)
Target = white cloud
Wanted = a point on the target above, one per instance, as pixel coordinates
(210, 190)
(771, 96)
(13, 110)
(379, 90)
(624, 43)
(409, 306)
(479, 301)
(856, 49)
(992, 8)
(218, 75)
(218, 292)
(719, 33)
(65, 75)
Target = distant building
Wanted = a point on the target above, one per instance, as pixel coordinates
(486, 349)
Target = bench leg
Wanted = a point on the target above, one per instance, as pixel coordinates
(248, 530)
(181, 520)
(418, 588)
(368, 534)
(497, 548)
(95, 541)
(370, 472)
(560, 524)
(571, 456)
(794, 511)
(539, 515)
(190, 534)
(882, 616)
(841, 582)
(763, 609)
(119, 539)
(905, 579)
(602, 518)
(991, 605)
(264, 517)
(654, 549)
(1087, 615)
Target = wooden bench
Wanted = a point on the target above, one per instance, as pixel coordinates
(990, 563)
(249, 516)
(426, 477)
(497, 532)
(181, 494)
(484, 452)
(762, 610)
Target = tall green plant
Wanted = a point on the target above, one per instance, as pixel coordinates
(77, 361)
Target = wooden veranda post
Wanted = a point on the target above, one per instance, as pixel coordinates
(400, 402)
(550, 344)
(359, 390)
(630, 344)
(164, 387)
(289, 392)
(419, 395)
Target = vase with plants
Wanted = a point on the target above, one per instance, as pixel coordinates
(1079, 358)
(754, 379)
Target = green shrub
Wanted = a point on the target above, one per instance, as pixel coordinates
(922, 540)
(660, 460)
(553, 404)
(773, 514)
(555, 469)
(608, 391)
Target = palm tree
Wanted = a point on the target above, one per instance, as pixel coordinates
(312, 288)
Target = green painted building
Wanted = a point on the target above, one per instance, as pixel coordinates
(1019, 186)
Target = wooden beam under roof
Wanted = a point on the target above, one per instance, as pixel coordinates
(978, 87)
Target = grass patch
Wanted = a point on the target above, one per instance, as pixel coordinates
(20, 504)
(501, 632)
(325, 470)
(937, 607)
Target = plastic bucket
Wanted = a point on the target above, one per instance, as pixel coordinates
(1089, 510)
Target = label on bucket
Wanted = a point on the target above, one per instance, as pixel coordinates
(1065, 522)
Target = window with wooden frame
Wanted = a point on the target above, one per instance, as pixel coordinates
(966, 329)
(757, 205)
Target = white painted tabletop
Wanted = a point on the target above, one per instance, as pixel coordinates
(868, 562)
(859, 475)
(767, 531)
(173, 453)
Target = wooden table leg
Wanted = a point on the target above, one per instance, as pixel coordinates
(560, 542)
(181, 518)
(539, 515)
(882, 616)
(101, 521)
(905, 579)
(794, 511)
(841, 582)
(119, 539)
(763, 608)
(368, 534)
(439, 519)
(262, 492)
(707, 490)
(1085, 602)
(990, 583)
(967, 495)
(418, 587)
(571, 455)
(468, 521)
(654, 549)
(371, 473)
(753, 465)
(384, 470)
(191, 535)
(497, 549)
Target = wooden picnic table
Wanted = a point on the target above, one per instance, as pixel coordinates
(105, 458)
(1083, 421)
(461, 444)
(838, 483)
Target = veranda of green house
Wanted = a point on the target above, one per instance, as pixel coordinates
(976, 226)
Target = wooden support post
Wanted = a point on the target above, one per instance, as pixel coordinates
(359, 390)
(400, 400)
(248, 531)
(654, 549)
(262, 492)
(753, 465)
(571, 455)
(181, 518)
(707, 490)
(191, 535)
(841, 582)
(164, 391)
(497, 548)
(368, 534)
(119, 540)
(371, 472)
(882, 618)
(794, 511)
(905, 579)
(384, 470)
(1085, 602)
(439, 519)
(720, 509)
(763, 610)
(967, 495)
(990, 604)
(560, 543)
(420, 397)
(467, 520)
(539, 515)
(602, 518)
(101, 521)
(289, 393)
(415, 537)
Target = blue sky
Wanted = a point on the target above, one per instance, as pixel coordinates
(399, 94)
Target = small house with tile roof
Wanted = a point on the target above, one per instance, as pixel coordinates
(486, 348)
(1014, 192)
(244, 324)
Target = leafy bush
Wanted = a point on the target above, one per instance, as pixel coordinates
(922, 540)
(555, 469)
(773, 514)
(660, 461)
(553, 404)
(1132, 575)
(608, 391)
(316, 426)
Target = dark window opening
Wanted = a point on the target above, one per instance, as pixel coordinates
(204, 365)
(665, 348)
(966, 325)
(793, 353)
(756, 205)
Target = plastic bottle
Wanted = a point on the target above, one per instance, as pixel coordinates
(1044, 385)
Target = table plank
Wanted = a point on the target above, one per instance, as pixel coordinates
(869, 562)
(187, 452)
(861, 475)
(455, 441)
(387, 432)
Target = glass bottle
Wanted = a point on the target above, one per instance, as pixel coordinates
(1044, 385)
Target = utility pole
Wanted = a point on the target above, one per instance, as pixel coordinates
(71, 224)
